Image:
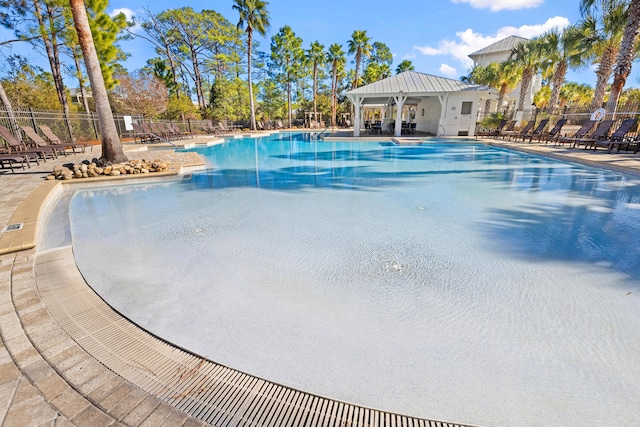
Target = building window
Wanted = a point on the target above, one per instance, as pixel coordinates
(466, 108)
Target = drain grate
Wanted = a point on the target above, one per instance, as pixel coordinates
(13, 227)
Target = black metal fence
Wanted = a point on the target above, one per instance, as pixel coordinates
(84, 127)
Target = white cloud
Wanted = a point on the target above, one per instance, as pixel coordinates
(448, 70)
(497, 5)
(409, 56)
(127, 12)
(469, 41)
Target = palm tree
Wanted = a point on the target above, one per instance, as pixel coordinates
(526, 57)
(112, 151)
(627, 52)
(405, 65)
(602, 35)
(574, 94)
(486, 75)
(507, 80)
(336, 57)
(359, 45)
(253, 15)
(562, 51)
(316, 56)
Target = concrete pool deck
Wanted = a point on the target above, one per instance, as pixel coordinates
(68, 359)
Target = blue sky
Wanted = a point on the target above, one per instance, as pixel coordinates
(435, 35)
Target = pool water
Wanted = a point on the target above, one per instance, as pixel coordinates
(450, 280)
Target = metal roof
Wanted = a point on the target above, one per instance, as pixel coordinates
(504, 45)
(414, 83)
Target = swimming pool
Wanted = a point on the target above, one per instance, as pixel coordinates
(450, 280)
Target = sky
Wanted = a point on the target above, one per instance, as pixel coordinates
(436, 36)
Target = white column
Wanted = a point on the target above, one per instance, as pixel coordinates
(400, 99)
(444, 102)
(357, 104)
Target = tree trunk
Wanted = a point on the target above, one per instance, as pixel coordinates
(111, 146)
(334, 84)
(525, 84)
(51, 47)
(315, 91)
(603, 74)
(251, 105)
(289, 100)
(197, 79)
(501, 95)
(557, 81)
(83, 90)
(625, 56)
(13, 123)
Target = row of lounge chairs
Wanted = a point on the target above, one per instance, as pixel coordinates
(591, 134)
(15, 153)
(151, 132)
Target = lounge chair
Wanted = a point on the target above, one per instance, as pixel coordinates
(537, 131)
(495, 131)
(223, 128)
(518, 133)
(580, 133)
(15, 146)
(38, 142)
(600, 133)
(554, 133)
(149, 131)
(619, 136)
(8, 161)
(53, 139)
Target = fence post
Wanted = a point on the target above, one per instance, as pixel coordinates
(33, 119)
(94, 126)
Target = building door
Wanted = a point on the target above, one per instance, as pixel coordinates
(465, 118)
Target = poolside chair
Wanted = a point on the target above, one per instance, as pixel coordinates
(495, 131)
(487, 132)
(15, 146)
(8, 161)
(619, 136)
(600, 133)
(525, 130)
(553, 133)
(537, 131)
(223, 128)
(580, 133)
(38, 142)
(148, 130)
(53, 139)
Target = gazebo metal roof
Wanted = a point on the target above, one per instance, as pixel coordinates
(413, 85)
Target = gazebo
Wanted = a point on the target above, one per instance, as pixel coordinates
(442, 106)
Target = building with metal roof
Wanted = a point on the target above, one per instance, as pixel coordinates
(431, 104)
(500, 52)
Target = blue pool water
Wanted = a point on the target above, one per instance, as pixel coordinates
(450, 280)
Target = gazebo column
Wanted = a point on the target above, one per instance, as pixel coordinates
(400, 100)
(444, 101)
(357, 104)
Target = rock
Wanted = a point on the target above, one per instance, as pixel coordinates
(83, 168)
(107, 170)
(114, 172)
(51, 177)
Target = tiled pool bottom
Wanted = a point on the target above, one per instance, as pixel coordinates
(451, 282)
